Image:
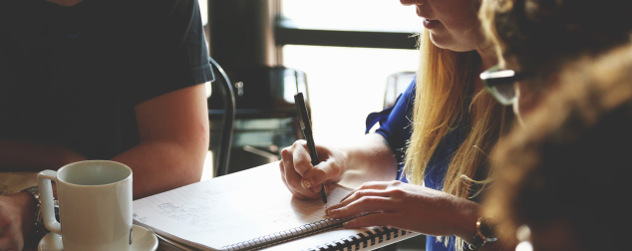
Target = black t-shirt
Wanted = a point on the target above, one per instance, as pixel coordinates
(71, 76)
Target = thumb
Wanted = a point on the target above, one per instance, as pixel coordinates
(323, 172)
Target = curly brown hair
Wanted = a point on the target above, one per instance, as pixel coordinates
(539, 36)
(572, 162)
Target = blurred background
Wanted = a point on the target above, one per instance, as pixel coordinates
(349, 57)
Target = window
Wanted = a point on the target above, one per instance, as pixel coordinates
(351, 15)
(357, 44)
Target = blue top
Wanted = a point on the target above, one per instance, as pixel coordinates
(396, 128)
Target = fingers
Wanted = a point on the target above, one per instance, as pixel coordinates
(299, 156)
(372, 219)
(292, 181)
(300, 176)
(366, 211)
(294, 162)
(361, 201)
(371, 197)
(323, 172)
(330, 169)
(379, 184)
(372, 185)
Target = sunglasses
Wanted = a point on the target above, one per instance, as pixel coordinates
(500, 83)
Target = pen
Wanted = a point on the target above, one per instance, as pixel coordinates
(306, 128)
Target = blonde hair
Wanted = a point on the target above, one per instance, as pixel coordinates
(446, 96)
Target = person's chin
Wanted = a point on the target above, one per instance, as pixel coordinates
(447, 42)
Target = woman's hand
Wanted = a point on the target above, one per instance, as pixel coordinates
(352, 163)
(16, 220)
(301, 177)
(406, 206)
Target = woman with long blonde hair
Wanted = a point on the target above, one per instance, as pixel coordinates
(454, 123)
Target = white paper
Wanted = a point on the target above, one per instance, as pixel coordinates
(230, 209)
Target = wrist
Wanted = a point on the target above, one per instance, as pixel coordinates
(32, 219)
(464, 219)
(485, 233)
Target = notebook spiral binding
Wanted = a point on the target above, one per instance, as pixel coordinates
(362, 240)
(287, 235)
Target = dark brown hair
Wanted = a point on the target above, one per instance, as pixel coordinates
(538, 36)
(572, 161)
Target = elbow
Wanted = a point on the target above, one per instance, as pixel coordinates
(196, 149)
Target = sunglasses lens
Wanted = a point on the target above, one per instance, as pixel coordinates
(505, 94)
(500, 83)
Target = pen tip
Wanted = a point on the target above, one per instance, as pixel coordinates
(323, 194)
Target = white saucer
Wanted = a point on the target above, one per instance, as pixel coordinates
(142, 240)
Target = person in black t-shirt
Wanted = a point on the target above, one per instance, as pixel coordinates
(96, 79)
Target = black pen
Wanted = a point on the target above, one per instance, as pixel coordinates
(306, 128)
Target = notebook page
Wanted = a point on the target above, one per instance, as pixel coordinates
(230, 209)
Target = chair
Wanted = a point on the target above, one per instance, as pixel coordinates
(223, 83)
(266, 117)
(396, 83)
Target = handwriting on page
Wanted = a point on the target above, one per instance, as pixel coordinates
(206, 213)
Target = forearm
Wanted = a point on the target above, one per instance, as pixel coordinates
(162, 165)
(174, 141)
(33, 156)
(371, 159)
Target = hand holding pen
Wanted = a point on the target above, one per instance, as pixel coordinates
(306, 128)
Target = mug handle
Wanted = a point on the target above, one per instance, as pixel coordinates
(44, 179)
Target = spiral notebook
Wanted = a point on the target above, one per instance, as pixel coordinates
(252, 210)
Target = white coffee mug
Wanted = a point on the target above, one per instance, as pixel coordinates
(95, 205)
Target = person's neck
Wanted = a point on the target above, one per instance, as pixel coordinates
(488, 59)
(65, 3)
(488, 55)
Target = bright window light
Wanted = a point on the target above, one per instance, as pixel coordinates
(346, 84)
(373, 15)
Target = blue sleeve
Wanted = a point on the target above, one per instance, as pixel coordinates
(396, 122)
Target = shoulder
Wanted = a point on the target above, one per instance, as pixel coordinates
(162, 7)
(151, 9)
